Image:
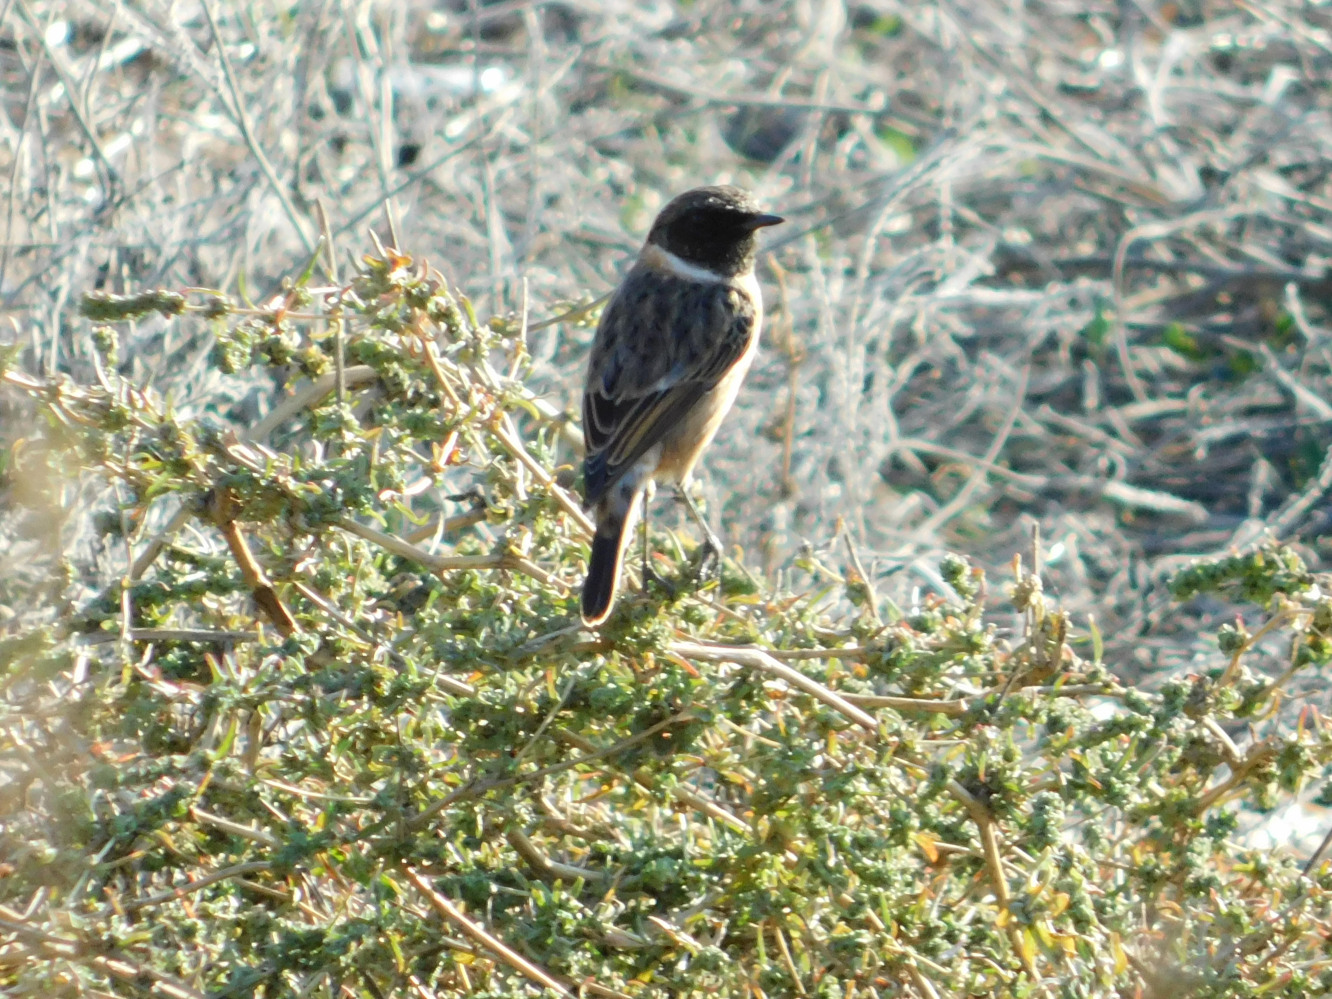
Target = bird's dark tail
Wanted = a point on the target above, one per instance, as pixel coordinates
(603, 568)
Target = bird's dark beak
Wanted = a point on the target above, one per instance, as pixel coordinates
(762, 221)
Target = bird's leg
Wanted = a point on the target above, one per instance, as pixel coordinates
(711, 548)
(649, 574)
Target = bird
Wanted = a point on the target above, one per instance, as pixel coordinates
(673, 345)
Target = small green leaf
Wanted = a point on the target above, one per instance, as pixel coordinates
(1098, 329)
(1181, 341)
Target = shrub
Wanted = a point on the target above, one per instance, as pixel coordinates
(312, 713)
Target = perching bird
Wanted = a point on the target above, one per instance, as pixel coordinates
(670, 352)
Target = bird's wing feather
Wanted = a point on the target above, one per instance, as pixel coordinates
(662, 344)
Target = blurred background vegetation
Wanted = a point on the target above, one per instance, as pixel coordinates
(288, 557)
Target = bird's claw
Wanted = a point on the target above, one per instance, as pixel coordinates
(709, 564)
(651, 576)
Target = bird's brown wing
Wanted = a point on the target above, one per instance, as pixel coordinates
(662, 344)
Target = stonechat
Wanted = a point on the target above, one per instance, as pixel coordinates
(673, 345)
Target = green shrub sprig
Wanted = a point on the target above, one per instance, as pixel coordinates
(328, 723)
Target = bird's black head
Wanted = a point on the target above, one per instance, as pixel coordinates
(712, 227)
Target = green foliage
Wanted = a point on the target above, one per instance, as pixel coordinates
(1182, 342)
(107, 308)
(1098, 329)
(1257, 577)
(331, 726)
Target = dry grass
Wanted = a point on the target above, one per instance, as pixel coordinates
(1048, 264)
